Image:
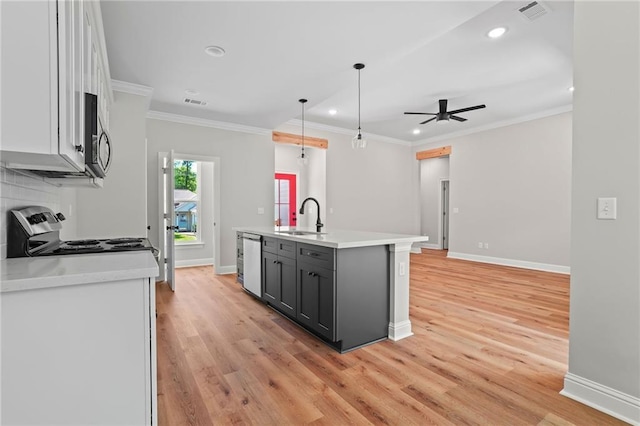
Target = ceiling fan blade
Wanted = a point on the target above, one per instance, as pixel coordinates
(443, 106)
(467, 109)
(454, 117)
(421, 113)
(431, 119)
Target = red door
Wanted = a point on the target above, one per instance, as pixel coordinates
(285, 213)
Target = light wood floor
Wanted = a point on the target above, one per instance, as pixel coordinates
(490, 348)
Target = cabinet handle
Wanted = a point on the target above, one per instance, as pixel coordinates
(312, 274)
(275, 261)
(80, 148)
(312, 254)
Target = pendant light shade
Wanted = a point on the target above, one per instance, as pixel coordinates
(302, 159)
(358, 141)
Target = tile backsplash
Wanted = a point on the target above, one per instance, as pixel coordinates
(18, 190)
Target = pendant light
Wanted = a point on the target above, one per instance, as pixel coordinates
(302, 160)
(358, 141)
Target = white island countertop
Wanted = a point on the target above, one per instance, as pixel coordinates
(29, 273)
(334, 238)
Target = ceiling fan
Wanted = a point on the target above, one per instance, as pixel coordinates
(444, 115)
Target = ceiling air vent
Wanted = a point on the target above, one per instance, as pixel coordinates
(194, 102)
(534, 10)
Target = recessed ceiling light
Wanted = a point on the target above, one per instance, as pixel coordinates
(416, 131)
(497, 32)
(191, 92)
(571, 89)
(333, 111)
(215, 51)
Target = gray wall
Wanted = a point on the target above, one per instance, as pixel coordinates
(119, 209)
(512, 186)
(246, 176)
(432, 172)
(604, 342)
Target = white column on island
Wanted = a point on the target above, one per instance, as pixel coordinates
(399, 323)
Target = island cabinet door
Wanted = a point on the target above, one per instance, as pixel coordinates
(288, 291)
(316, 299)
(270, 278)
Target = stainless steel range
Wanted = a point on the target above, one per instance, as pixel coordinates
(35, 231)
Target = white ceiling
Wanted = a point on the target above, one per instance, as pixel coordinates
(278, 52)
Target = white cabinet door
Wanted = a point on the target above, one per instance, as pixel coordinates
(71, 46)
(79, 354)
(39, 91)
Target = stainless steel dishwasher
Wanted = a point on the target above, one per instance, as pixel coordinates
(252, 246)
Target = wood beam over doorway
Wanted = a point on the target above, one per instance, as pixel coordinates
(433, 153)
(291, 139)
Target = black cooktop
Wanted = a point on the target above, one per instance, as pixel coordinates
(99, 246)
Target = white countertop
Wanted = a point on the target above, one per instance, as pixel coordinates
(334, 238)
(28, 273)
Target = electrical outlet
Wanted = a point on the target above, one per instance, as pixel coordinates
(486, 245)
(479, 245)
(402, 269)
(260, 210)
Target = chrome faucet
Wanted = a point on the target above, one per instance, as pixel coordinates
(319, 224)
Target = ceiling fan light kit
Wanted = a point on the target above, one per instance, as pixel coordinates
(303, 160)
(358, 141)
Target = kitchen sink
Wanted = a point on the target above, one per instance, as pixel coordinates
(299, 232)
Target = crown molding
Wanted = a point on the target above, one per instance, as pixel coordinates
(348, 132)
(203, 122)
(496, 125)
(131, 88)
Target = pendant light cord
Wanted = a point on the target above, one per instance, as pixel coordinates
(358, 101)
(302, 102)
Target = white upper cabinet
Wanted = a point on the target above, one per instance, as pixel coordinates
(50, 58)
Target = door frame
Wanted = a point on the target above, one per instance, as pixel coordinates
(216, 202)
(444, 208)
(292, 206)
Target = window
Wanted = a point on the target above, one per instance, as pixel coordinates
(186, 196)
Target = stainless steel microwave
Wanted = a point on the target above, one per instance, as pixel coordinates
(98, 151)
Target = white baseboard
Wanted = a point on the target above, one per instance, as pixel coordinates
(193, 262)
(228, 269)
(560, 269)
(431, 246)
(602, 398)
(399, 330)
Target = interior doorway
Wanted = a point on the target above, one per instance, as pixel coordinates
(188, 212)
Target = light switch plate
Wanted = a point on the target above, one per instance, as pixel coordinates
(607, 208)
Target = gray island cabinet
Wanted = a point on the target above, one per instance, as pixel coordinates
(347, 288)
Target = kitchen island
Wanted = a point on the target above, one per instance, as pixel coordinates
(350, 288)
(78, 339)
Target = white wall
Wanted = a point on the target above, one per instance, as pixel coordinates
(512, 186)
(432, 172)
(246, 177)
(604, 339)
(312, 180)
(119, 209)
(375, 189)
